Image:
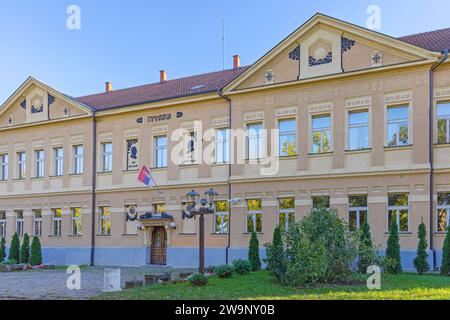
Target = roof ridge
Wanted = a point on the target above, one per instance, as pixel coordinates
(165, 82)
(422, 33)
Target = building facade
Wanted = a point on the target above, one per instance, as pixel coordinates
(361, 122)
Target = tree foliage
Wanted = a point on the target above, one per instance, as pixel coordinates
(421, 260)
(25, 249)
(366, 251)
(393, 259)
(36, 252)
(14, 250)
(445, 267)
(253, 252)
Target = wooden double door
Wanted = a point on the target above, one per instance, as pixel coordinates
(158, 249)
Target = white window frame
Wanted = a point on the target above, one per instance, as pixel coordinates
(4, 167)
(19, 222)
(253, 215)
(287, 212)
(447, 120)
(223, 229)
(3, 223)
(287, 134)
(21, 165)
(161, 150)
(103, 219)
(56, 223)
(398, 123)
(39, 161)
(358, 211)
(75, 219)
(107, 157)
(258, 137)
(78, 165)
(358, 126)
(58, 161)
(37, 223)
(397, 209)
(322, 131)
(222, 144)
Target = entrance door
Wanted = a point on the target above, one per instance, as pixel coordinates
(159, 244)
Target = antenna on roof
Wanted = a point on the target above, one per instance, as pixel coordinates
(223, 44)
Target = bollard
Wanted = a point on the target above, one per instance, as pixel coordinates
(111, 280)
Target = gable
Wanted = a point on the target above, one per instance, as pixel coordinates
(326, 46)
(35, 102)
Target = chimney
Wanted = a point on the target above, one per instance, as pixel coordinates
(236, 61)
(162, 76)
(108, 86)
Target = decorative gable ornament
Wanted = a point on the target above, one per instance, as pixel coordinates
(51, 99)
(320, 57)
(131, 213)
(376, 59)
(23, 104)
(269, 77)
(346, 44)
(10, 120)
(295, 54)
(37, 109)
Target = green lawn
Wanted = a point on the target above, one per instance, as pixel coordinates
(259, 285)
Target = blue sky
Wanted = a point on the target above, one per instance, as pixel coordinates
(128, 42)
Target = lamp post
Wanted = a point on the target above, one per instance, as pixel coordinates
(200, 207)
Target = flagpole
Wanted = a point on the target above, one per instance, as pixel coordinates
(156, 185)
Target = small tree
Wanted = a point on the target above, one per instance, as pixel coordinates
(36, 254)
(366, 251)
(25, 249)
(393, 249)
(14, 250)
(253, 252)
(445, 267)
(421, 260)
(2, 249)
(276, 256)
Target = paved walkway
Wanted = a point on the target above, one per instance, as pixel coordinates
(51, 284)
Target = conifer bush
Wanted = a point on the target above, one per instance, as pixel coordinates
(36, 252)
(2, 249)
(276, 257)
(366, 251)
(421, 260)
(445, 267)
(393, 260)
(14, 250)
(253, 252)
(25, 250)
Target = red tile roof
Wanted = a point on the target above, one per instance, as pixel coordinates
(438, 40)
(171, 89)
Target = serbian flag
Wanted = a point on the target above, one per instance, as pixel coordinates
(145, 177)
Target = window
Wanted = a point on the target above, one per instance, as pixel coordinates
(39, 158)
(105, 221)
(19, 222)
(59, 158)
(358, 130)
(443, 122)
(159, 208)
(254, 215)
(107, 157)
(161, 151)
(397, 126)
(254, 141)
(321, 134)
(21, 168)
(4, 167)
(286, 212)
(37, 223)
(221, 217)
(398, 207)
(76, 221)
(443, 208)
(56, 217)
(78, 152)
(190, 145)
(132, 154)
(357, 211)
(2, 224)
(288, 137)
(321, 202)
(222, 145)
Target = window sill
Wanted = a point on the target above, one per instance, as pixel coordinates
(103, 235)
(37, 178)
(394, 148)
(187, 234)
(55, 237)
(76, 174)
(441, 145)
(405, 233)
(218, 164)
(288, 157)
(104, 173)
(130, 170)
(219, 234)
(188, 165)
(158, 168)
(129, 235)
(55, 177)
(19, 179)
(321, 154)
(75, 236)
(356, 151)
(250, 233)
(440, 233)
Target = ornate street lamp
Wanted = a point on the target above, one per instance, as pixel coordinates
(200, 207)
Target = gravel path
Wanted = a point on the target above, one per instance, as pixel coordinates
(51, 284)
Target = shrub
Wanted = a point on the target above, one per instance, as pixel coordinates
(2, 249)
(224, 271)
(25, 249)
(197, 280)
(242, 266)
(366, 251)
(9, 262)
(420, 262)
(14, 250)
(36, 253)
(393, 249)
(276, 257)
(445, 267)
(253, 252)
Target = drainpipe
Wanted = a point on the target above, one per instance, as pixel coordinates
(430, 152)
(227, 249)
(93, 195)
